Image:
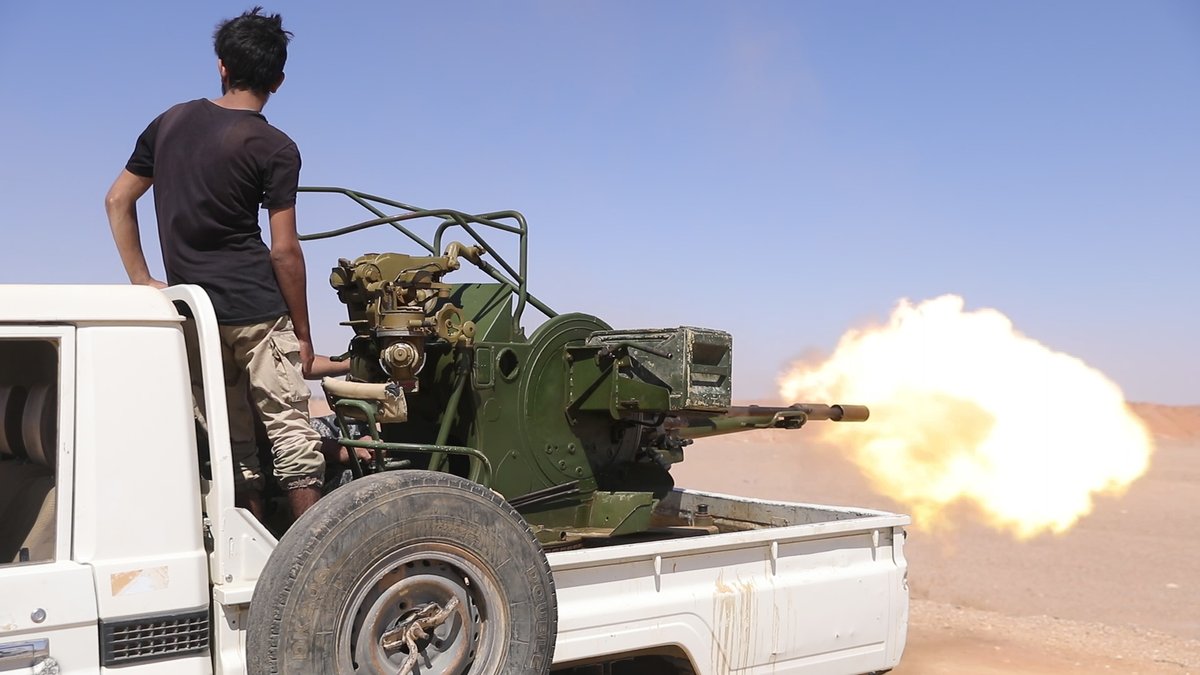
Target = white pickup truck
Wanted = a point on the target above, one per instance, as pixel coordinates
(118, 556)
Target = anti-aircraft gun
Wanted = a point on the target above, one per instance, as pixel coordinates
(576, 425)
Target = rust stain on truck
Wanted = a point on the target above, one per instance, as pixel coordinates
(735, 608)
(146, 580)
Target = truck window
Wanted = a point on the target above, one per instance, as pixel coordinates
(28, 432)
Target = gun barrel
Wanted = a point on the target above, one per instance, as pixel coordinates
(834, 413)
(746, 418)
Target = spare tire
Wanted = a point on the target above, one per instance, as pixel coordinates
(399, 560)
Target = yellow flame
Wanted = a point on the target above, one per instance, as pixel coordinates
(966, 409)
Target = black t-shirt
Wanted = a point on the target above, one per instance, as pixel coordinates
(212, 168)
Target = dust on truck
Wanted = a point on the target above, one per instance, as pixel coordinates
(517, 515)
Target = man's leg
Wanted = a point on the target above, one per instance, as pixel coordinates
(252, 501)
(271, 357)
(300, 499)
(243, 442)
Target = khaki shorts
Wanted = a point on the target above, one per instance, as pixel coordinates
(261, 364)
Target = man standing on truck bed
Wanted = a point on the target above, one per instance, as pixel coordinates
(212, 163)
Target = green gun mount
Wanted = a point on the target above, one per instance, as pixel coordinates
(576, 426)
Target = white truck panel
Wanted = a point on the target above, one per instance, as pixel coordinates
(136, 456)
(785, 598)
(78, 304)
(200, 664)
(52, 602)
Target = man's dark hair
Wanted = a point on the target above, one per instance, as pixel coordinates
(253, 48)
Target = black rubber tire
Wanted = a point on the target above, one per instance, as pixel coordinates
(336, 579)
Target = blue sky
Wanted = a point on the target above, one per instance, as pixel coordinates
(780, 170)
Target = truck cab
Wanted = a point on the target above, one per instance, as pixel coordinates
(102, 540)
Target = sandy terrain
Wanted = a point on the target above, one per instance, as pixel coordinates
(1120, 592)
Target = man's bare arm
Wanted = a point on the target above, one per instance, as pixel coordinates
(323, 366)
(288, 261)
(121, 206)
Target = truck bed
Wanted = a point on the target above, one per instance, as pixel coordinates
(780, 588)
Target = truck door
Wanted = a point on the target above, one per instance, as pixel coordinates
(48, 613)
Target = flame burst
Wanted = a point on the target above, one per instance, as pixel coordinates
(966, 409)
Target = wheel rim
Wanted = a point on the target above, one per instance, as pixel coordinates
(434, 577)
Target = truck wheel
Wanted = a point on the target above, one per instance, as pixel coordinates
(405, 572)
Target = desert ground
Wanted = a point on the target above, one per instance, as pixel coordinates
(1119, 592)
